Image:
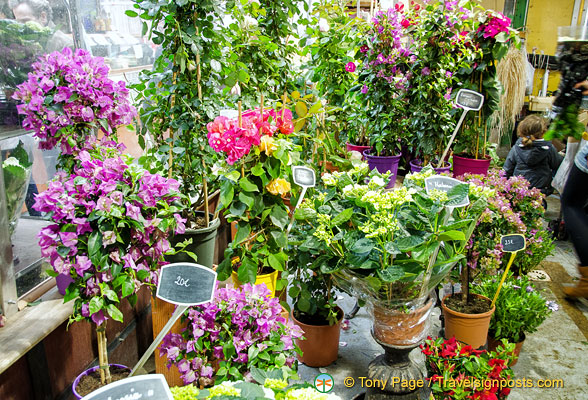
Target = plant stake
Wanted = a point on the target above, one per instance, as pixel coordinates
(510, 244)
(183, 284)
(305, 177)
(468, 100)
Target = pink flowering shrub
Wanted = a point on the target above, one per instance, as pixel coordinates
(495, 23)
(111, 222)
(239, 330)
(225, 135)
(68, 96)
(514, 208)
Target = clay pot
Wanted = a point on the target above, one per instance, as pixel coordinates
(321, 345)
(470, 329)
(494, 343)
(398, 328)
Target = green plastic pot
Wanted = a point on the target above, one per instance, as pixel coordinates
(203, 241)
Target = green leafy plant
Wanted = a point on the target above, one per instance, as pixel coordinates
(257, 177)
(389, 241)
(520, 307)
(17, 171)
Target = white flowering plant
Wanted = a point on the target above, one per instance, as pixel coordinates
(389, 246)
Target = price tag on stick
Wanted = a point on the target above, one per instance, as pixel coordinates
(184, 284)
(306, 178)
(469, 101)
(510, 244)
(145, 387)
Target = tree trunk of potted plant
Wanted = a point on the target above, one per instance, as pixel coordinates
(321, 345)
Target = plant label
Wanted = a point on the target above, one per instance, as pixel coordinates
(513, 243)
(469, 100)
(445, 184)
(304, 176)
(186, 284)
(144, 387)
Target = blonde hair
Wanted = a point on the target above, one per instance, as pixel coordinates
(533, 127)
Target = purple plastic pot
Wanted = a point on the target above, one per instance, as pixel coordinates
(88, 372)
(383, 164)
(62, 282)
(462, 165)
(354, 147)
(417, 166)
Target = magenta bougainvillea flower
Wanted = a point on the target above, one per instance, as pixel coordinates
(496, 23)
(240, 329)
(350, 67)
(68, 96)
(110, 226)
(225, 135)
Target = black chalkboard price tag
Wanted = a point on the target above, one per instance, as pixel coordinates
(513, 243)
(469, 100)
(445, 184)
(186, 284)
(144, 387)
(304, 176)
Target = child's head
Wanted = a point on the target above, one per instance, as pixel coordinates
(533, 127)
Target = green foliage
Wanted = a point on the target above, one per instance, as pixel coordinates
(566, 124)
(389, 240)
(17, 170)
(520, 307)
(188, 392)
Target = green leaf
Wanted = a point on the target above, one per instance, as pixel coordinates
(94, 247)
(247, 199)
(362, 246)
(315, 108)
(275, 262)
(303, 304)
(280, 238)
(250, 390)
(227, 193)
(71, 294)
(111, 295)
(342, 217)
(452, 235)
(131, 13)
(243, 232)
(96, 304)
(279, 216)
(247, 271)
(306, 214)
(257, 170)
(247, 185)
(114, 312)
(391, 273)
(301, 109)
(127, 287)
(408, 243)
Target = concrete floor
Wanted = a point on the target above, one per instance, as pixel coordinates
(558, 350)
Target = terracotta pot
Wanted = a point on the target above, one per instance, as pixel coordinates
(494, 343)
(470, 329)
(161, 312)
(321, 345)
(329, 167)
(398, 328)
(269, 280)
(463, 165)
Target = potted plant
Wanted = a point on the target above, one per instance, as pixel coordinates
(457, 371)
(513, 207)
(16, 170)
(520, 309)
(491, 37)
(111, 222)
(313, 295)
(391, 252)
(255, 179)
(68, 98)
(241, 329)
(383, 87)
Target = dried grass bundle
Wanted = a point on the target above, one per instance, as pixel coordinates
(511, 71)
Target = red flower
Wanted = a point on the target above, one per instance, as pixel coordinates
(466, 350)
(504, 392)
(399, 7)
(405, 23)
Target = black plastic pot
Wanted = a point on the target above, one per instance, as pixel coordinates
(203, 241)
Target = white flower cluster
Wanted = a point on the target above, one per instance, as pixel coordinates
(323, 231)
(389, 200)
(309, 394)
(438, 195)
(418, 178)
(355, 190)
(481, 191)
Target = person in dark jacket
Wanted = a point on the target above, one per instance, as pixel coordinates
(532, 157)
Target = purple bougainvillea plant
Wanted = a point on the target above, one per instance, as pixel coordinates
(240, 329)
(110, 225)
(68, 97)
